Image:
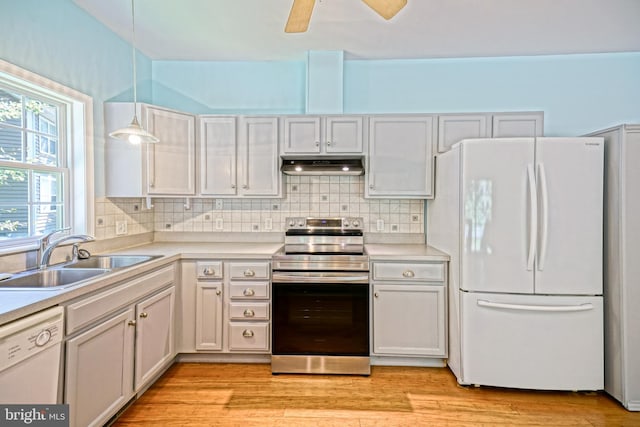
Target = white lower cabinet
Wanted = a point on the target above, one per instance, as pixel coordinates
(208, 315)
(409, 309)
(232, 308)
(118, 341)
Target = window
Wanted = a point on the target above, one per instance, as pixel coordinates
(32, 174)
(46, 176)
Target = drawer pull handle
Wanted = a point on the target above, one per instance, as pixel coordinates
(408, 273)
(144, 315)
(249, 292)
(247, 333)
(249, 313)
(249, 273)
(131, 323)
(218, 292)
(209, 271)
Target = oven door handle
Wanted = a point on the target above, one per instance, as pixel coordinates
(318, 277)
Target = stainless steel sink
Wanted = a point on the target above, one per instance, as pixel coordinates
(110, 261)
(54, 278)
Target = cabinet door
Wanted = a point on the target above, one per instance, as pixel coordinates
(409, 320)
(209, 316)
(454, 128)
(259, 163)
(509, 125)
(99, 371)
(218, 156)
(154, 335)
(171, 162)
(400, 157)
(301, 135)
(343, 134)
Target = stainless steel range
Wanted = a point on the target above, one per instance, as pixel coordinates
(321, 298)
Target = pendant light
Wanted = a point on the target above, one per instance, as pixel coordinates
(134, 133)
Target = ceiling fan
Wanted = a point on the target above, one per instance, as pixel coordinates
(300, 13)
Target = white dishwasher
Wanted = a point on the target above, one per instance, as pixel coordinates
(30, 350)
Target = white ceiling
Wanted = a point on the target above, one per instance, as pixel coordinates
(210, 30)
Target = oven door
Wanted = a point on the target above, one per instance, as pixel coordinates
(329, 318)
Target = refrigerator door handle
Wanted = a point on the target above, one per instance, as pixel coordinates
(544, 197)
(526, 307)
(533, 210)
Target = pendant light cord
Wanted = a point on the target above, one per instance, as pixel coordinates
(133, 60)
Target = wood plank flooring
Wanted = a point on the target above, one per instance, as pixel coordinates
(204, 394)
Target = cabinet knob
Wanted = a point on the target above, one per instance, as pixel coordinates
(328, 143)
(371, 186)
(317, 143)
(131, 323)
(247, 333)
(233, 186)
(209, 271)
(144, 315)
(218, 292)
(249, 273)
(249, 292)
(249, 313)
(376, 294)
(408, 273)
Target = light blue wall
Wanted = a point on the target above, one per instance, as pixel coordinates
(578, 93)
(58, 40)
(252, 87)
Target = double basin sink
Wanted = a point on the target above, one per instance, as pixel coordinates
(73, 273)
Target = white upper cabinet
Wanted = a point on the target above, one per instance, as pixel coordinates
(239, 157)
(508, 125)
(171, 161)
(218, 158)
(166, 168)
(258, 160)
(453, 128)
(400, 162)
(323, 135)
(456, 127)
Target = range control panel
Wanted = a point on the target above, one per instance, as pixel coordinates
(348, 223)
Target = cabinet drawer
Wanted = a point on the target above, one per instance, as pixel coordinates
(249, 270)
(87, 310)
(209, 270)
(249, 311)
(409, 271)
(249, 336)
(249, 290)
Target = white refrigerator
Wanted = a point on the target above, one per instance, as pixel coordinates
(521, 219)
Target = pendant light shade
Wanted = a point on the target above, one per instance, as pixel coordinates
(134, 133)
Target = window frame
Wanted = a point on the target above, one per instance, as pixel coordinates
(77, 149)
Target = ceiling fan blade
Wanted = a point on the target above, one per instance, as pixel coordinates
(299, 16)
(386, 8)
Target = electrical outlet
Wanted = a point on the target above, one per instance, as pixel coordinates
(219, 204)
(268, 224)
(121, 228)
(380, 225)
(219, 224)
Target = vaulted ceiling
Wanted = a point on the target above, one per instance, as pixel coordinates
(213, 30)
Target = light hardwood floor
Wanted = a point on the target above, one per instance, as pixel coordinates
(193, 394)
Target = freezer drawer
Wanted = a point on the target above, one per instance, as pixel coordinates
(532, 342)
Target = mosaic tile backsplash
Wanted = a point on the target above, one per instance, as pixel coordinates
(332, 196)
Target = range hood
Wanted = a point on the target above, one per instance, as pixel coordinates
(322, 166)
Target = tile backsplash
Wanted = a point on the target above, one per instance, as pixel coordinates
(332, 196)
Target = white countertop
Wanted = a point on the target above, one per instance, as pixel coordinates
(19, 303)
(401, 252)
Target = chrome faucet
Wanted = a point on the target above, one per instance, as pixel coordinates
(47, 246)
